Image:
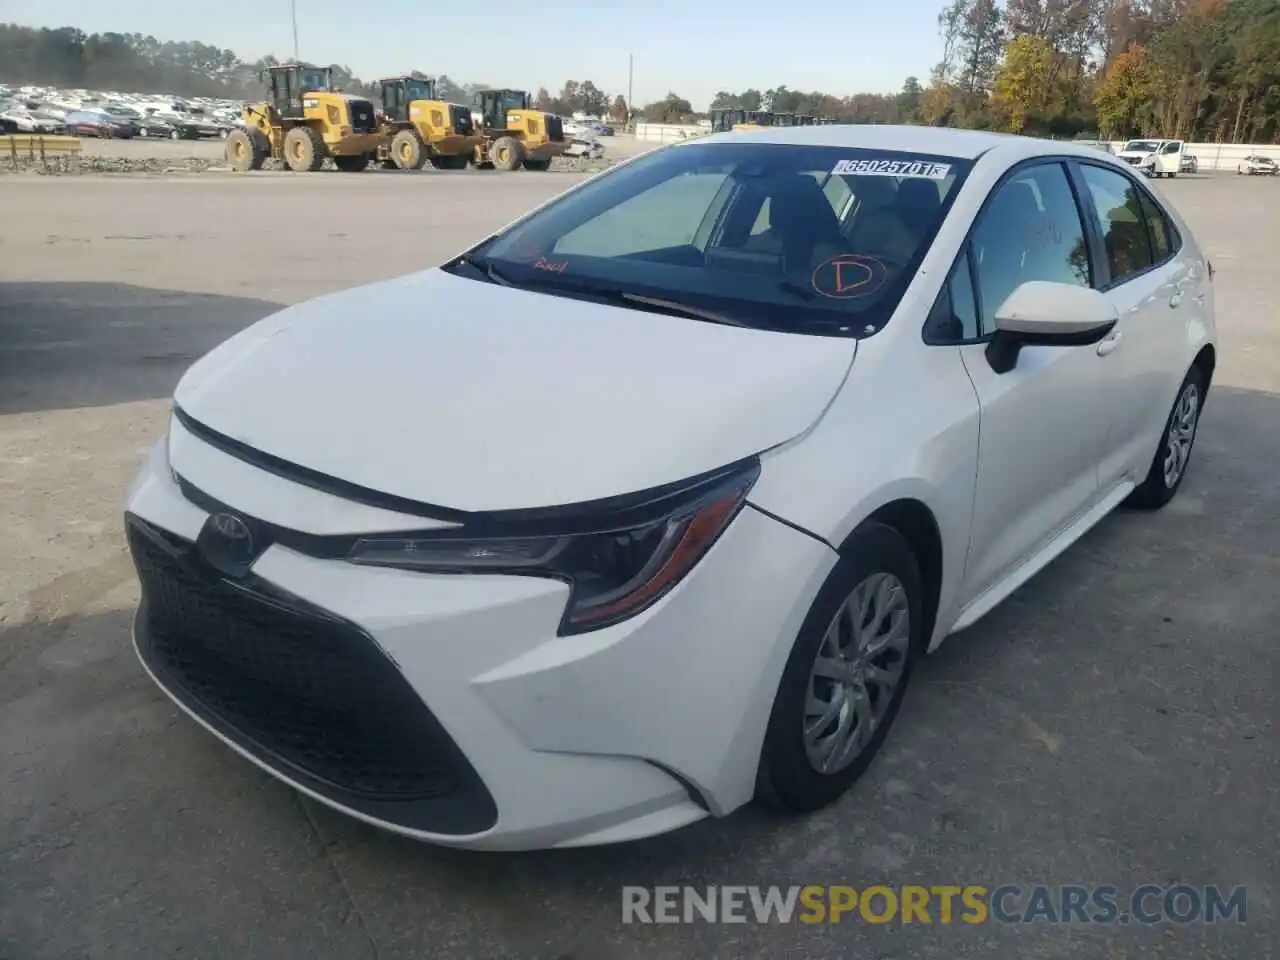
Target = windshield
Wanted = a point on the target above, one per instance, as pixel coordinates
(418, 90)
(796, 238)
(1145, 146)
(313, 78)
(511, 100)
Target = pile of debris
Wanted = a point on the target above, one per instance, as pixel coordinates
(71, 164)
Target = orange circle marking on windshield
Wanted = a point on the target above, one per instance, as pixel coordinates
(845, 275)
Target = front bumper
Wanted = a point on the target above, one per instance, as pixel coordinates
(445, 707)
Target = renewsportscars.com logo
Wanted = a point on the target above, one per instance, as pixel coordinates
(941, 903)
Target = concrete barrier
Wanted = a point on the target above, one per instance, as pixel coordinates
(37, 146)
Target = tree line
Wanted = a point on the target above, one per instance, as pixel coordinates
(1188, 69)
(1193, 69)
(134, 63)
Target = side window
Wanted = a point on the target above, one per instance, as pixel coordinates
(1117, 201)
(672, 212)
(1173, 147)
(1030, 230)
(1164, 236)
(954, 317)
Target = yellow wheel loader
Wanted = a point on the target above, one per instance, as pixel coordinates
(416, 127)
(305, 123)
(514, 135)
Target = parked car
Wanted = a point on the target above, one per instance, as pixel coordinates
(1189, 163)
(849, 430)
(87, 123)
(155, 127)
(587, 148)
(1155, 158)
(1257, 166)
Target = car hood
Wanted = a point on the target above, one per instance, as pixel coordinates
(473, 396)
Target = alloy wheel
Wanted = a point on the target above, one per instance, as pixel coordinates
(857, 671)
(1182, 433)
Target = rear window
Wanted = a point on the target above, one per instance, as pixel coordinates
(808, 239)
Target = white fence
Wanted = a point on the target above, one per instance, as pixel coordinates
(669, 132)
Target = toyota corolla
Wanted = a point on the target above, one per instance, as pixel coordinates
(646, 506)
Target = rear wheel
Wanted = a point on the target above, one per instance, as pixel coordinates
(845, 678)
(407, 150)
(175, 135)
(1169, 465)
(353, 164)
(246, 150)
(537, 165)
(507, 153)
(303, 150)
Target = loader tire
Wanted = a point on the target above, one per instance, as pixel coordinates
(507, 153)
(303, 150)
(246, 150)
(352, 164)
(537, 165)
(408, 150)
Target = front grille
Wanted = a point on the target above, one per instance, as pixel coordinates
(555, 127)
(362, 118)
(460, 118)
(308, 693)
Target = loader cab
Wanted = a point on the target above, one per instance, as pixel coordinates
(723, 119)
(785, 120)
(496, 104)
(291, 82)
(760, 118)
(399, 92)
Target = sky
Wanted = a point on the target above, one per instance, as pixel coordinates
(693, 49)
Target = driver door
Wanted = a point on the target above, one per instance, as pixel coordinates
(1044, 423)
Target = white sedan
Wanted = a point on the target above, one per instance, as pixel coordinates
(646, 506)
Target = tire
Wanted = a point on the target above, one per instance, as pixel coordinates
(1168, 468)
(353, 164)
(789, 776)
(246, 150)
(303, 150)
(538, 166)
(142, 132)
(507, 153)
(175, 134)
(223, 132)
(408, 151)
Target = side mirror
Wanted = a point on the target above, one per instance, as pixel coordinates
(1040, 313)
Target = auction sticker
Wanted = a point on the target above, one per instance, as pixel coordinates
(894, 168)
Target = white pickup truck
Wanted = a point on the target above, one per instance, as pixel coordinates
(1155, 158)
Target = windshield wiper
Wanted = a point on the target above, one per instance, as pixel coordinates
(487, 268)
(677, 309)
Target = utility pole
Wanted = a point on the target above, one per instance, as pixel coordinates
(293, 16)
(631, 64)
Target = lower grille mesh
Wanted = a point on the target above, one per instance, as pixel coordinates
(296, 686)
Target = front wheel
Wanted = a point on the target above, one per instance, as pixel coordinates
(507, 153)
(352, 164)
(1169, 465)
(538, 166)
(845, 678)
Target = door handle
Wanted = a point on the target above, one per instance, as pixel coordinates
(1176, 299)
(1110, 345)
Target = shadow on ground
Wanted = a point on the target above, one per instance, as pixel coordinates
(1112, 723)
(65, 345)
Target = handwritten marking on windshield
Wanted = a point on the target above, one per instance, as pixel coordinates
(848, 275)
(542, 263)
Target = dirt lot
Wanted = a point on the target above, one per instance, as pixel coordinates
(1113, 723)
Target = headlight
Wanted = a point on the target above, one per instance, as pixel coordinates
(616, 563)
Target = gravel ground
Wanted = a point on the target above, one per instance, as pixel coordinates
(1112, 723)
(200, 156)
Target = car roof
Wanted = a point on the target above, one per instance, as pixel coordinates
(937, 141)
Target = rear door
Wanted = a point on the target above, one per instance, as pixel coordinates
(1151, 288)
